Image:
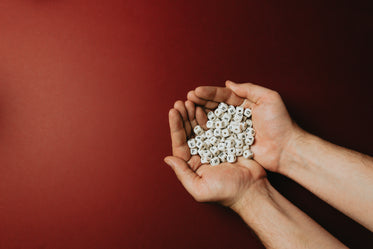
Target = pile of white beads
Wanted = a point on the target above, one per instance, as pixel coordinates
(230, 134)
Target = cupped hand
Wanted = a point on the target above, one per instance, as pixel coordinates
(274, 128)
(226, 183)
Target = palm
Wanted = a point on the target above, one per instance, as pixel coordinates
(224, 183)
(273, 129)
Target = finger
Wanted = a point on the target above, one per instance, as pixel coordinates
(218, 94)
(202, 102)
(201, 117)
(191, 110)
(249, 91)
(179, 105)
(184, 173)
(178, 135)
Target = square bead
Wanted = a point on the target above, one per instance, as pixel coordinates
(247, 112)
(239, 110)
(215, 161)
(231, 110)
(223, 106)
(248, 154)
(231, 158)
(191, 143)
(239, 152)
(193, 151)
(225, 132)
(210, 124)
(223, 157)
(218, 113)
(211, 116)
(198, 130)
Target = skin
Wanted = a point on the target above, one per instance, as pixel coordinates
(341, 177)
(242, 186)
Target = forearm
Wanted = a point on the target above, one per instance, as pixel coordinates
(339, 176)
(278, 223)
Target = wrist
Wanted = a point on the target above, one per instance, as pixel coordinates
(291, 152)
(257, 191)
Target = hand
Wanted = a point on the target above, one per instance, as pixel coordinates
(274, 128)
(225, 183)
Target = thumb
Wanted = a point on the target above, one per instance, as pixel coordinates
(249, 91)
(184, 173)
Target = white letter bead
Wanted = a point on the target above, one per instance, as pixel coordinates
(191, 143)
(247, 112)
(209, 133)
(250, 131)
(231, 150)
(193, 151)
(237, 117)
(214, 150)
(198, 130)
(225, 133)
(223, 157)
(223, 106)
(248, 154)
(231, 110)
(229, 143)
(239, 110)
(201, 145)
(207, 154)
(241, 136)
(231, 158)
(210, 124)
(217, 132)
(215, 161)
(238, 143)
(211, 116)
(199, 138)
(236, 129)
(204, 160)
(218, 113)
(249, 140)
(239, 152)
(226, 117)
(221, 146)
(219, 124)
(249, 122)
(213, 141)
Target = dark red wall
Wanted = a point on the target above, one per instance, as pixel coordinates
(85, 88)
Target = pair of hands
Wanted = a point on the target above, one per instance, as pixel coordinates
(228, 183)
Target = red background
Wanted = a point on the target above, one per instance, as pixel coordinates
(85, 88)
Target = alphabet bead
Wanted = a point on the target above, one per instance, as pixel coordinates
(239, 110)
(198, 130)
(218, 113)
(247, 112)
(223, 106)
(193, 151)
(192, 143)
(215, 161)
(211, 116)
(231, 158)
(210, 124)
(231, 110)
(248, 154)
